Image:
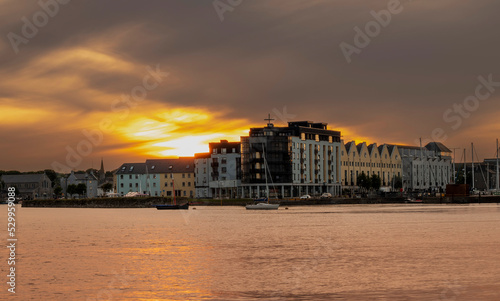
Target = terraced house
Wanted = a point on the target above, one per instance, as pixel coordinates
(383, 161)
(157, 177)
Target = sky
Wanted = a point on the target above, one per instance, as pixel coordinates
(130, 80)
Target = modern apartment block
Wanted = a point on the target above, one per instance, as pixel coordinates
(384, 161)
(218, 172)
(157, 177)
(426, 168)
(302, 158)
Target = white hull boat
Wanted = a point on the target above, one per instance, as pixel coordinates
(262, 206)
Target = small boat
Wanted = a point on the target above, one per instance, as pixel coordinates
(172, 207)
(262, 206)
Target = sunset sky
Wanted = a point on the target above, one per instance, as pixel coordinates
(228, 69)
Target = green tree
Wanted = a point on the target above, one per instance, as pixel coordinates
(52, 175)
(108, 174)
(58, 190)
(363, 181)
(107, 187)
(376, 182)
(398, 182)
(81, 189)
(71, 190)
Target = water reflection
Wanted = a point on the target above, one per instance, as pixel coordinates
(304, 253)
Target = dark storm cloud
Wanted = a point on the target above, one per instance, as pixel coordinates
(269, 54)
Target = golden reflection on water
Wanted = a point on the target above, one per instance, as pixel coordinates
(304, 253)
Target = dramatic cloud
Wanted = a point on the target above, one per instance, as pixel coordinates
(224, 77)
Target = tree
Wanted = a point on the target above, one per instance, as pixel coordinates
(57, 190)
(81, 189)
(363, 181)
(108, 174)
(52, 175)
(107, 187)
(71, 190)
(376, 182)
(398, 182)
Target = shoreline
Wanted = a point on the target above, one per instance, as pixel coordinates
(150, 202)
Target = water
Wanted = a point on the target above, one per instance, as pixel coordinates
(362, 252)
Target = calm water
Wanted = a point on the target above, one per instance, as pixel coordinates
(365, 252)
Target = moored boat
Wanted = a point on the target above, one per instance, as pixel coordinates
(262, 206)
(172, 207)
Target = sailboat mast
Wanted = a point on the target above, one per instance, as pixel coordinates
(497, 166)
(265, 171)
(173, 187)
(465, 167)
(472, 149)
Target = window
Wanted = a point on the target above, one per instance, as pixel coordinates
(152, 167)
(131, 168)
(136, 185)
(183, 184)
(189, 184)
(166, 184)
(154, 184)
(223, 160)
(130, 177)
(189, 175)
(121, 176)
(183, 175)
(136, 177)
(121, 185)
(184, 193)
(224, 150)
(130, 185)
(224, 170)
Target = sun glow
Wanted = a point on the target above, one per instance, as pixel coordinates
(179, 132)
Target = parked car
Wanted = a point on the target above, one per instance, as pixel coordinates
(305, 196)
(326, 195)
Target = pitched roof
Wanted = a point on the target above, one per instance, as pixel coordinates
(437, 147)
(371, 148)
(348, 146)
(84, 176)
(180, 165)
(132, 168)
(24, 178)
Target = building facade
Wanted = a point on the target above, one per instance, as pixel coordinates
(426, 168)
(90, 180)
(383, 161)
(218, 173)
(30, 186)
(302, 158)
(157, 177)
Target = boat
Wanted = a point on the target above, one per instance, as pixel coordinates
(172, 207)
(263, 203)
(262, 206)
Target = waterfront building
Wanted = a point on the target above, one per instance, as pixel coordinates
(157, 177)
(426, 168)
(218, 172)
(30, 186)
(174, 174)
(301, 158)
(383, 161)
(89, 179)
